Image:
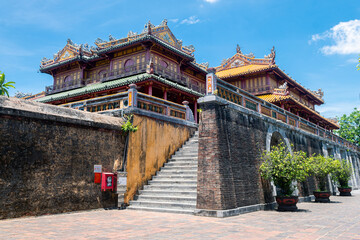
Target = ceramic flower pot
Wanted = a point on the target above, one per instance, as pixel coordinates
(287, 203)
(345, 191)
(322, 196)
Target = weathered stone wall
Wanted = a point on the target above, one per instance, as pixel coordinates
(48, 155)
(231, 140)
(150, 147)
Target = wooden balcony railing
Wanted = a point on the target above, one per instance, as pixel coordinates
(125, 72)
(133, 99)
(238, 96)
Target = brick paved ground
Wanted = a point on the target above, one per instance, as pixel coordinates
(337, 220)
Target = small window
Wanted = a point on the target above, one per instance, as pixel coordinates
(164, 64)
(129, 65)
(67, 79)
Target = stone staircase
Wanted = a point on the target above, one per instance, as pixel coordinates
(173, 189)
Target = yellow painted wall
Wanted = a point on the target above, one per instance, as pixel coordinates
(149, 148)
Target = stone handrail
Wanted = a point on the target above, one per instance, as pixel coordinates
(245, 99)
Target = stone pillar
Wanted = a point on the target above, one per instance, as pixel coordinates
(195, 112)
(210, 83)
(188, 115)
(132, 95)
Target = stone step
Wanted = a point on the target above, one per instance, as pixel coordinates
(161, 204)
(181, 211)
(180, 163)
(178, 193)
(181, 168)
(171, 187)
(175, 177)
(170, 198)
(183, 160)
(174, 187)
(176, 182)
(194, 158)
(171, 171)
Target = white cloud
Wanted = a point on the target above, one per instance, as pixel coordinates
(190, 20)
(211, 1)
(345, 38)
(338, 109)
(175, 20)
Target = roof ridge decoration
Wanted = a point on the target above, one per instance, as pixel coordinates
(161, 32)
(241, 59)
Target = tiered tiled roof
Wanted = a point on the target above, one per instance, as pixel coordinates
(160, 34)
(113, 84)
(275, 98)
(243, 64)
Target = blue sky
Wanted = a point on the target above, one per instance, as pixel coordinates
(317, 42)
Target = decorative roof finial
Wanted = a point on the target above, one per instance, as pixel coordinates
(70, 42)
(149, 27)
(164, 22)
(238, 50)
(272, 55)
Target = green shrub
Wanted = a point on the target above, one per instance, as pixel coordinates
(343, 174)
(283, 167)
(320, 167)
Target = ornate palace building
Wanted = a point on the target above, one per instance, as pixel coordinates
(264, 79)
(165, 72)
(97, 79)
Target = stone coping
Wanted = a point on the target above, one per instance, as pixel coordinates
(31, 109)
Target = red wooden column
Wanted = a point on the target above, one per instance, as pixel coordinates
(150, 89)
(165, 94)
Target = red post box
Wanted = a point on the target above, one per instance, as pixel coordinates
(108, 181)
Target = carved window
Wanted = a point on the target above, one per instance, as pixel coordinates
(67, 80)
(163, 64)
(102, 74)
(129, 65)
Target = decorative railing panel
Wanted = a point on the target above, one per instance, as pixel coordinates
(240, 97)
(127, 99)
(126, 72)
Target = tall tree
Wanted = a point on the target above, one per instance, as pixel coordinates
(350, 126)
(4, 86)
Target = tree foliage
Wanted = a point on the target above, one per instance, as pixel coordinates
(343, 174)
(320, 167)
(283, 167)
(350, 127)
(128, 125)
(4, 86)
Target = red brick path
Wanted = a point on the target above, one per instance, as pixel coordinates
(337, 220)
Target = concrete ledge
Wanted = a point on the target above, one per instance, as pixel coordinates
(242, 210)
(15, 107)
(157, 116)
(234, 211)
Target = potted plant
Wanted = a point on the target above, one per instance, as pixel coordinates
(284, 168)
(342, 176)
(320, 167)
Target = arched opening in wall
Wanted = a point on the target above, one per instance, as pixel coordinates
(67, 80)
(101, 74)
(129, 65)
(342, 154)
(330, 152)
(163, 64)
(276, 139)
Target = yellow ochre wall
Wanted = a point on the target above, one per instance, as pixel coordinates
(149, 148)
